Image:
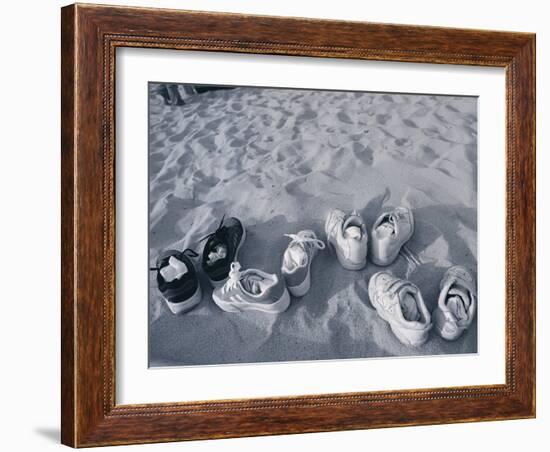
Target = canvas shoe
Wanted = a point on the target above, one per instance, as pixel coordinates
(348, 236)
(297, 261)
(252, 290)
(389, 233)
(177, 280)
(457, 303)
(221, 249)
(399, 302)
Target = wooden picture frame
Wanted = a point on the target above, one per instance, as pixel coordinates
(90, 36)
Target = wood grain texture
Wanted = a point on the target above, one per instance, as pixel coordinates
(67, 226)
(90, 36)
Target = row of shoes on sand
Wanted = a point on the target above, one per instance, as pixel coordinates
(399, 302)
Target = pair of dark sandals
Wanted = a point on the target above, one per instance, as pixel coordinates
(184, 292)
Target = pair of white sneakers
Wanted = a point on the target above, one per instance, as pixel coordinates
(255, 290)
(347, 234)
(399, 302)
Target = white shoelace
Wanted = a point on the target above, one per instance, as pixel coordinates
(302, 240)
(234, 276)
(251, 283)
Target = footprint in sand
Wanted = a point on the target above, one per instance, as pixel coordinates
(157, 144)
(186, 158)
(421, 112)
(209, 142)
(250, 132)
(359, 136)
(281, 123)
(453, 109)
(428, 155)
(402, 141)
(470, 118)
(337, 140)
(237, 143)
(304, 169)
(362, 153)
(343, 117)
(214, 125)
(431, 132)
(410, 123)
(283, 152)
(443, 120)
(257, 181)
(179, 136)
(294, 188)
(258, 150)
(233, 130)
(306, 115)
(382, 119)
(205, 181)
(166, 176)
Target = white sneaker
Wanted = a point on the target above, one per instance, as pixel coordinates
(348, 235)
(389, 233)
(399, 302)
(297, 261)
(457, 303)
(252, 290)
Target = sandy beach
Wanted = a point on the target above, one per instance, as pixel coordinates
(280, 160)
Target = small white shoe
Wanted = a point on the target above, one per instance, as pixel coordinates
(457, 303)
(348, 235)
(297, 261)
(389, 233)
(399, 302)
(252, 290)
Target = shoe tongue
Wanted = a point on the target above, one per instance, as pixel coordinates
(217, 254)
(409, 307)
(174, 270)
(296, 256)
(386, 228)
(253, 284)
(352, 227)
(458, 302)
(353, 232)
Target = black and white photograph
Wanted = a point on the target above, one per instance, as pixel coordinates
(294, 224)
(275, 226)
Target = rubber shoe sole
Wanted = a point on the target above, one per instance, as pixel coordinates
(301, 289)
(345, 262)
(187, 305)
(276, 307)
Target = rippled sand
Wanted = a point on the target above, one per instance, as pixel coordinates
(279, 160)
